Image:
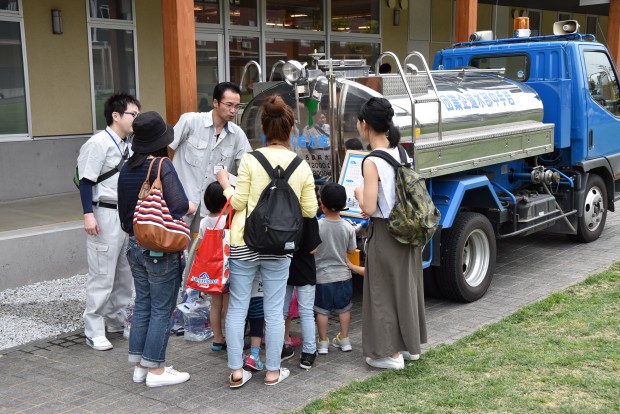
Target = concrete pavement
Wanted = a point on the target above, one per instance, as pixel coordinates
(63, 375)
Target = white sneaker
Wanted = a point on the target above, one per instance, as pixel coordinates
(407, 356)
(387, 362)
(343, 343)
(323, 347)
(139, 374)
(99, 343)
(170, 376)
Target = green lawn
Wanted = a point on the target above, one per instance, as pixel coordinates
(561, 355)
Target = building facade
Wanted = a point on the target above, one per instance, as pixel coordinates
(60, 59)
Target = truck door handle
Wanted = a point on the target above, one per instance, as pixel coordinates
(590, 139)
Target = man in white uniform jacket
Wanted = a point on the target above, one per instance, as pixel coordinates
(109, 285)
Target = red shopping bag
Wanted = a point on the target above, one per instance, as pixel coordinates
(209, 272)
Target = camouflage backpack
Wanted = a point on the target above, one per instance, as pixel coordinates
(414, 218)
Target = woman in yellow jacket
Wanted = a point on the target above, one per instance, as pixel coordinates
(277, 122)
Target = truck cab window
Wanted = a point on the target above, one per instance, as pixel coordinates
(516, 65)
(602, 81)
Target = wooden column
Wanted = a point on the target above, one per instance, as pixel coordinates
(179, 58)
(466, 19)
(613, 30)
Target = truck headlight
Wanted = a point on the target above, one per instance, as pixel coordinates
(294, 72)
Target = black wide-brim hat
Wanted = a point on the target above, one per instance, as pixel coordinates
(151, 133)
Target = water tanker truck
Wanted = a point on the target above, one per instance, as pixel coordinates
(514, 136)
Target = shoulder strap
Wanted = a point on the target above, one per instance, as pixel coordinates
(404, 159)
(114, 170)
(384, 156)
(148, 174)
(110, 173)
(263, 161)
(292, 167)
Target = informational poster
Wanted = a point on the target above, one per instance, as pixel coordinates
(350, 179)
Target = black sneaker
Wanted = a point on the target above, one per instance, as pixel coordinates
(307, 360)
(287, 353)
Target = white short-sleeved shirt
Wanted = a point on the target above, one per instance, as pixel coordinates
(100, 154)
(209, 223)
(198, 153)
(386, 195)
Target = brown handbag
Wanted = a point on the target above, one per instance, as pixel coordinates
(153, 225)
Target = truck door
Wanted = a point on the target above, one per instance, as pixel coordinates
(602, 105)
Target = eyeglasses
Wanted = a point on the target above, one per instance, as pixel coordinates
(134, 114)
(230, 105)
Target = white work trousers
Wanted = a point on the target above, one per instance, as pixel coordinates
(109, 285)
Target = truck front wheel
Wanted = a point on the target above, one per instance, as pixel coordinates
(591, 223)
(467, 258)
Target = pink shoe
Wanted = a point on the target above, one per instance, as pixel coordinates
(295, 341)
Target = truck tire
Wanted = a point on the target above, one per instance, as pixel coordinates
(467, 258)
(590, 225)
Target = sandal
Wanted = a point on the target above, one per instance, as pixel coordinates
(241, 381)
(217, 346)
(295, 341)
(284, 373)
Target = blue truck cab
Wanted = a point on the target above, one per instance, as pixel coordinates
(566, 190)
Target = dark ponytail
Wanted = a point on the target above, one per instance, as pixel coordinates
(378, 113)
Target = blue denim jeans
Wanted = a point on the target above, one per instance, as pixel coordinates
(275, 275)
(157, 281)
(305, 302)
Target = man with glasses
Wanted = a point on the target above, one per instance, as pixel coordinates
(206, 142)
(109, 284)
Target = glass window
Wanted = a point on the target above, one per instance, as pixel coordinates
(207, 11)
(293, 14)
(111, 9)
(207, 75)
(602, 81)
(361, 16)
(534, 16)
(113, 60)
(13, 113)
(9, 5)
(243, 13)
(591, 25)
(356, 50)
(242, 50)
(284, 49)
(517, 66)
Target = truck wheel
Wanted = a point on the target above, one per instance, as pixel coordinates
(467, 258)
(590, 225)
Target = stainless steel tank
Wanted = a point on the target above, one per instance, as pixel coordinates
(467, 100)
(463, 100)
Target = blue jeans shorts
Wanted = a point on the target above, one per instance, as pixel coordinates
(335, 296)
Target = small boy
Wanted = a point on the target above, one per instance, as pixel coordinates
(215, 201)
(334, 287)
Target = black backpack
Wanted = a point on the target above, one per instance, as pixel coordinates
(276, 224)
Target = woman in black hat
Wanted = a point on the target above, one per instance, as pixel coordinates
(157, 276)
